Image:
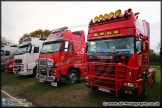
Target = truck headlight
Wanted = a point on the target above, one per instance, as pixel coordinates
(11, 66)
(50, 62)
(129, 84)
(86, 77)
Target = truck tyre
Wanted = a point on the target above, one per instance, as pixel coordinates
(144, 88)
(72, 76)
(34, 71)
(153, 79)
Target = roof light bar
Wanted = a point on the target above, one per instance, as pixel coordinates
(59, 29)
(112, 15)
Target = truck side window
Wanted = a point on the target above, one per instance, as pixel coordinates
(138, 46)
(7, 53)
(36, 49)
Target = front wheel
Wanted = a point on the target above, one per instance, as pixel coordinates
(34, 71)
(72, 76)
(144, 88)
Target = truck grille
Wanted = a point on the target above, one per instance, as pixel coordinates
(42, 67)
(42, 62)
(104, 82)
(107, 71)
(106, 74)
(18, 61)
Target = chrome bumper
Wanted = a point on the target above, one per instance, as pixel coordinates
(45, 78)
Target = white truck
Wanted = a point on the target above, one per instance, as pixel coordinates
(27, 54)
(7, 52)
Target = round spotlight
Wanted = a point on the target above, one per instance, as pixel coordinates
(96, 19)
(117, 13)
(101, 17)
(106, 16)
(111, 14)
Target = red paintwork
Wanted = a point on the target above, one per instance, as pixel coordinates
(136, 64)
(10, 66)
(63, 61)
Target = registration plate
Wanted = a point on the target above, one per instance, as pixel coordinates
(54, 84)
(15, 69)
(104, 90)
(41, 81)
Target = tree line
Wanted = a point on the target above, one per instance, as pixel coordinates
(155, 58)
(36, 34)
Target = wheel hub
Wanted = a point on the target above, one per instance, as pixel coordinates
(73, 77)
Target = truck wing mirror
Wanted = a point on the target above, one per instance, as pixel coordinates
(66, 46)
(32, 49)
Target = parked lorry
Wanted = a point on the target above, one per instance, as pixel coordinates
(28, 52)
(118, 54)
(7, 52)
(9, 65)
(62, 57)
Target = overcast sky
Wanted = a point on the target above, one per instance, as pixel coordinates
(24, 17)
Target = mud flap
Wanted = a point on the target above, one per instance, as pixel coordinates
(54, 84)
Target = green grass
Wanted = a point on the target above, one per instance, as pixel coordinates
(43, 94)
(157, 68)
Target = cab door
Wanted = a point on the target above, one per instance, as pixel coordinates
(67, 58)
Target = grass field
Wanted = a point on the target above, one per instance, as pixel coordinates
(43, 94)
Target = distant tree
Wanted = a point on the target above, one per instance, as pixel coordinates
(154, 57)
(159, 48)
(46, 33)
(4, 41)
(36, 34)
(24, 36)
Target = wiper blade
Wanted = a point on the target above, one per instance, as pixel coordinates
(41, 52)
(46, 52)
(50, 51)
(103, 52)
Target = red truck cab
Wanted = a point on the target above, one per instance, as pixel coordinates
(62, 57)
(118, 54)
(9, 65)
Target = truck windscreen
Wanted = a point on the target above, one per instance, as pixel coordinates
(50, 47)
(122, 45)
(23, 49)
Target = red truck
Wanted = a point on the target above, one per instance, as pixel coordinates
(62, 57)
(118, 54)
(9, 65)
